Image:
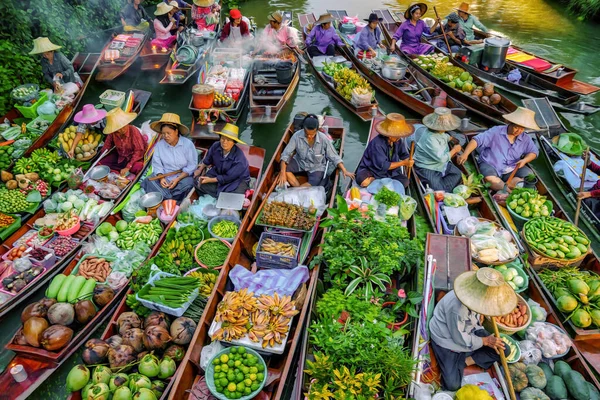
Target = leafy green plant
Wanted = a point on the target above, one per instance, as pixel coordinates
(406, 303)
(530, 178)
(475, 184)
(334, 302)
(387, 197)
(320, 368)
(346, 383)
(368, 278)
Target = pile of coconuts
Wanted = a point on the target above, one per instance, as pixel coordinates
(486, 94)
(135, 361)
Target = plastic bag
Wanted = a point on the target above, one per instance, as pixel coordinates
(75, 179)
(486, 228)
(453, 200)
(462, 191)
(50, 206)
(269, 281)
(69, 89)
(148, 132)
(303, 196)
(116, 280)
(133, 206)
(504, 234)
(423, 391)
(197, 207)
(506, 250)
(482, 242)
(48, 108)
(538, 313)
(408, 205)
(468, 226)
(530, 353)
(22, 264)
(208, 352)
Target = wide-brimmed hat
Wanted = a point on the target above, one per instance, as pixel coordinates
(162, 9)
(372, 18)
(89, 115)
(485, 292)
(232, 132)
(235, 13)
(394, 125)
(42, 45)
(169, 119)
(275, 16)
(204, 3)
(324, 18)
(411, 9)
(117, 119)
(441, 119)
(523, 117)
(464, 7)
(174, 4)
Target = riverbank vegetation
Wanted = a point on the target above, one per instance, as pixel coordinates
(585, 9)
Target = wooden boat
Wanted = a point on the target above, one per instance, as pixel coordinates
(279, 366)
(153, 58)
(365, 113)
(109, 67)
(268, 98)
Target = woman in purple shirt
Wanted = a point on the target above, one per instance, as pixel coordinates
(323, 38)
(504, 148)
(369, 38)
(409, 33)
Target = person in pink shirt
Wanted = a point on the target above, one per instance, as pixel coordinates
(163, 23)
(276, 36)
(205, 14)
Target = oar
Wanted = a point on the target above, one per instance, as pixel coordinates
(412, 151)
(511, 389)
(512, 175)
(581, 185)
(443, 32)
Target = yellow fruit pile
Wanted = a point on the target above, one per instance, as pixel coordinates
(87, 146)
(347, 80)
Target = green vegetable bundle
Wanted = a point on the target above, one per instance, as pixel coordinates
(147, 233)
(213, 253)
(528, 203)
(387, 197)
(172, 292)
(225, 229)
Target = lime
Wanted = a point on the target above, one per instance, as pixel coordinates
(237, 363)
(218, 368)
(231, 387)
(241, 350)
(224, 367)
(260, 367)
(253, 370)
(219, 389)
(253, 377)
(247, 382)
(241, 387)
(260, 376)
(247, 391)
(224, 358)
(233, 350)
(227, 393)
(230, 376)
(239, 378)
(254, 386)
(231, 363)
(246, 370)
(216, 361)
(223, 382)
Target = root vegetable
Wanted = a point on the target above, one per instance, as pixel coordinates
(33, 329)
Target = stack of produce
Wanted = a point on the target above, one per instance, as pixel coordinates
(517, 318)
(225, 229)
(512, 276)
(212, 253)
(62, 245)
(489, 244)
(49, 165)
(237, 372)
(6, 156)
(528, 203)
(556, 238)
(24, 272)
(207, 279)
(175, 257)
(222, 100)
(110, 232)
(87, 146)
(6, 220)
(576, 294)
(66, 221)
(13, 201)
(347, 80)
(278, 213)
(39, 124)
(152, 346)
(140, 230)
(95, 267)
(87, 208)
(263, 319)
(191, 234)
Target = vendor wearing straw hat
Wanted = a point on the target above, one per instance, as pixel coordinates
(411, 30)
(163, 24)
(88, 118)
(386, 153)
(130, 145)
(205, 14)
(504, 148)
(457, 337)
(369, 38)
(172, 153)
(323, 37)
(227, 169)
(433, 158)
(309, 153)
(134, 17)
(277, 35)
(55, 66)
(467, 22)
(179, 15)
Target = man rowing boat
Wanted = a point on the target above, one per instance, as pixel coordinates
(467, 22)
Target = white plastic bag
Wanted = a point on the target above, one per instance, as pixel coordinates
(530, 353)
(147, 131)
(468, 226)
(208, 352)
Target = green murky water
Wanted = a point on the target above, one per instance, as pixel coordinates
(544, 28)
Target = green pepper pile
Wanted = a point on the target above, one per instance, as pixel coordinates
(528, 203)
(225, 229)
(213, 253)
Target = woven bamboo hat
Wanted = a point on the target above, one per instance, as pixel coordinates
(441, 119)
(117, 119)
(232, 132)
(412, 8)
(324, 18)
(169, 119)
(204, 3)
(162, 9)
(174, 5)
(523, 117)
(42, 45)
(485, 292)
(464, 7)
(275, 16)
(394, 125)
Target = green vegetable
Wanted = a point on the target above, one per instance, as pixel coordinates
(387, 197)
(562, 369)
(213, 253)
(546, 368)
(55, 286)
(64, 289)
(536, 376)
(225, 229)
(594, 393)
(578, 389)
(556, 388)
(13, 201)
(87, 289)
(34, 197)
(75, 288)
(532, 393)
(172, 292)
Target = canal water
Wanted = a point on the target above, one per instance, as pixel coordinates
(542, 27)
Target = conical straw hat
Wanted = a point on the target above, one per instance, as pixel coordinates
(232, 132)
(162, 9)
(117, 119)
(204, 3)
(169, 119)
(42, 45)
(523, 117)
(485, 292)
(395, 126)
(441, 119)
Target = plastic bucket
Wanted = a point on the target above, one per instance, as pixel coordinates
(285, 72)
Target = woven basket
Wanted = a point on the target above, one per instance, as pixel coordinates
(487, 323)
(478, 260)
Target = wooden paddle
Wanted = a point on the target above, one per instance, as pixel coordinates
(581, 185)
(160, 176)
(443, 32)
(410, 157)
(512, 175)
(511, 389)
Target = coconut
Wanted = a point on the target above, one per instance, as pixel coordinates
(488, 89)
(485, 99)
(495, 99)
(477, 92)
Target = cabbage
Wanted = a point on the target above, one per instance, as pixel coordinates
(105, 209)
(462, 191)
(50, 206)
(59, 197)
(66, 206)
(72, 198)
(78, 204)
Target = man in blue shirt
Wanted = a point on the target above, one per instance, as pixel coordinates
(467, 21)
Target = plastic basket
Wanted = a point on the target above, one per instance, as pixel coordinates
(269, 260)
(10, 229)
(178, 312)
(517, 355)
(70, 231)
(31, 111)
(210, 375)
(48, 118)
(29, 97)
(487, 323)
(86, 256)
(219, 218)
(48, 261)
(112, 99)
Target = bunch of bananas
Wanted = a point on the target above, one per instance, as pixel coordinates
(207, 281)
(280, 248)
(348, 80)
(175, 254)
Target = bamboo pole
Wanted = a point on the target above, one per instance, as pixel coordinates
(410, 157)
(511, 389)
(443, 32)
(581, 186)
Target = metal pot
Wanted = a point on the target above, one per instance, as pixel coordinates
(393, 73)
(494, 52)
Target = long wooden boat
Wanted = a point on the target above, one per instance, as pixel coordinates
(153, 58)
(366, 112)
(110, 68)
(279, 366)
(268, 98)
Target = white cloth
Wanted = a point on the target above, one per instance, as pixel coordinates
(572, 174)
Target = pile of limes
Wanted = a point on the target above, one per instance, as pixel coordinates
(238, 373)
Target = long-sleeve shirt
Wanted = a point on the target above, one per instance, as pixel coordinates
(180, 4)
(431, 151)
(133, 16)
(230, 169)
(410, 35)
(205, 17)
(595, 168)
(323, 37)
(310, 158)
(379, 155)
(495, 148)
(453, 326)
(131, 146)
(368, 39)
(162, 32)
(277, 38)
(457, 31)
(468, 26)
(61, 65)
(169, 158)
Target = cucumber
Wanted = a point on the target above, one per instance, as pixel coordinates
(582, 248)
(87, 290)
(582, 240)
(551, 253)
(64, 289)
(571, 255)
(564, 248)
(74, 289)
(569, 240)
(542, 247)
(54, 287)
(560, 254)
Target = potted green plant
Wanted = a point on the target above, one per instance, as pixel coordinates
(397, 312)
(530, 181)
(368, 279)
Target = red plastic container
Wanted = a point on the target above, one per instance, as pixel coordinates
(203, 96)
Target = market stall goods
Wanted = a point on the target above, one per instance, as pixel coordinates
(87, 146)
(280, 214)
(556, 238)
